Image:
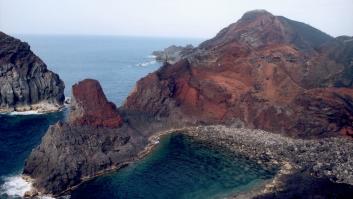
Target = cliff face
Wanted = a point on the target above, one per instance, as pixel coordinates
(94, 140)
(90, 106)
(25, 81)
(264, 72)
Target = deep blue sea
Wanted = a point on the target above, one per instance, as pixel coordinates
(179, 168)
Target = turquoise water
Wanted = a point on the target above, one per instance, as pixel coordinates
(178, 169)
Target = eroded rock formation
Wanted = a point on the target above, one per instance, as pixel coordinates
(264, 71)
(90, 106)
(94, 140)
(25, 81)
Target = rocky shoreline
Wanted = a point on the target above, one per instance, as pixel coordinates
(327, 161)
(38, 108)
(153, 141)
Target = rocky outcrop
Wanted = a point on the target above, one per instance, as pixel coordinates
(25, 81)
(90, 106)
(265, 72)
(173, 53)
(93, 141)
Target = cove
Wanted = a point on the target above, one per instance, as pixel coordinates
(179, 167)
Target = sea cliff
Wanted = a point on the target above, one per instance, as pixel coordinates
(25, 82)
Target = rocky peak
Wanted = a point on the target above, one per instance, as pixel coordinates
(91, 107)
(255, 14)
(259, 29)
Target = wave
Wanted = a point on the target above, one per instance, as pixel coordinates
(151, 56)
(146, 63)
(15, 186)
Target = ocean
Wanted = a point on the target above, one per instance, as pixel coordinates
(178, 168)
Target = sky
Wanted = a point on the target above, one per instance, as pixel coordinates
(163, 18)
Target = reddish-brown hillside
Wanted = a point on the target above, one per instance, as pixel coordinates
(264, 72)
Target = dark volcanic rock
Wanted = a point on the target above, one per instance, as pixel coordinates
(305, 186)
(313, 168)
(90, 106)
(69, 154)
(264, 72)
(173, 53)
(25, 81)
(94, 140)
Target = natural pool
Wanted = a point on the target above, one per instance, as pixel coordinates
(179, 167)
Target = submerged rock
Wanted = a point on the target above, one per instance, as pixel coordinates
(25, 82)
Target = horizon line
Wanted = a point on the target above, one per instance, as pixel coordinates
(105, 35)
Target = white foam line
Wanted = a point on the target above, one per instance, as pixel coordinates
(152, 56)
(25, 113)
(45, 197)
(146, 63)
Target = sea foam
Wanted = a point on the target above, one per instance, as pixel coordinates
(15, 186)
(25, 113)
(151, 56)
(146, 63)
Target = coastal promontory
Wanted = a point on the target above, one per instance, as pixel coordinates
(25, 81)
(94, 140)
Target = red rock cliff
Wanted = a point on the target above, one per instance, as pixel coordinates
(91, 107)
(264, 72)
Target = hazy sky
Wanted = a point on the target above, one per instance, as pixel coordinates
(169, 18)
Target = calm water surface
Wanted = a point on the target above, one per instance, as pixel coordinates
(179, 168)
